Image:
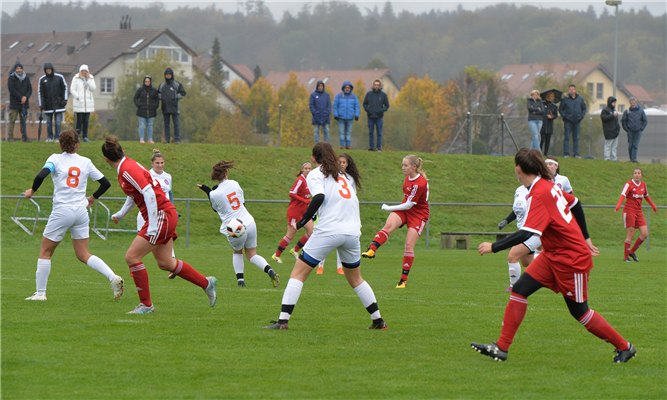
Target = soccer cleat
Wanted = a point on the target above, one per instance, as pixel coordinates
(241, 283)
(294, 253)
(623, 356)
(509, 289)
(172, 275)
(142, 309)
(369, 253)
(210, 290)
(275, 278)
(380, 325)
(276, 258)
(401, 284)
(277, 325)
(320, 270)
(633, 256)
(628, 260)
(492, 350)
(37, 296)
(340, 271)
(117, 286)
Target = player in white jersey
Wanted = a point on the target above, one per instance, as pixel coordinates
(227, 200)
(338, 228)
(70, 173)
(560, 180)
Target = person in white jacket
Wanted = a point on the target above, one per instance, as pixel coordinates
(82, 88)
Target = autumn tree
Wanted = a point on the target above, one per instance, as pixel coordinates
(295, 119)
(239, 91)
(258, 103)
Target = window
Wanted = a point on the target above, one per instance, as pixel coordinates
(41, 49)
(621, 108)
(184, 56)
(83, 46)
(550, 75)
(600, 91)
(106, 85)
(571, 73)
(28, 48)
(540, 72)
(14, 44)
(590, 87)
(326, 79)
(523, 78)
(311, 81)
(56, 47)
(506, 77)
(137, 43)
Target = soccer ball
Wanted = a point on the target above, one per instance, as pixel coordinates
(235, 228)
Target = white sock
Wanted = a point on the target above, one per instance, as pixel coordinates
(237, 261)
(42, 275)
(259, 261)
(100, 266)
(290, 297)
(537, 253)
(322, 263)
(515, 272)
(367, 298)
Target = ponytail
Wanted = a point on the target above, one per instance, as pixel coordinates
(325, 155)
(111, 148)
(531, 163)
(417, 162)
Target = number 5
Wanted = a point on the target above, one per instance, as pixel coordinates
(233, 200)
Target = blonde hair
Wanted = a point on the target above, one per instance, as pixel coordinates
(156, 154)
(417, 162)
(534, 91)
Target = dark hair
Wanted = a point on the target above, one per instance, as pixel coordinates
(554, 159)
(220, 170)
(640, 170)
(417, 162)
(111, 148)
(68, 141)
(572, 85)
(352, 170)
(301, 169)
(325, 155)
(156, 154)
(531, 163)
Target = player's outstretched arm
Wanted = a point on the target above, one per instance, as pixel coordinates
(129, 203)
(401, 207)
(104, 186)
(650, 202)
(315, 203)
(37, 182)
(620, 202)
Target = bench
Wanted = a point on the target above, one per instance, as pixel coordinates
(461, 240)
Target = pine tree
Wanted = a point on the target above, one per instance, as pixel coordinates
(258, 73)
(215, 72)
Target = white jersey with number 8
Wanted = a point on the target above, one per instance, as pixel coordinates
(227, 199)
(70, 173)
(339, 213)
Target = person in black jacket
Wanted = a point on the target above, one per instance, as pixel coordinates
(535, 115)
(611, 128)
(147, 102)
(170, 93)
(634, 122)
(376, 104)
(52, 93)
(550, 114)
(20, 90)
(573, 110)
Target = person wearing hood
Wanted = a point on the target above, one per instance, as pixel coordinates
(610, 128)
(82, 88)
(550, 114)
(376, 104)
(634, 122)
(147, 102)
(320, 107)
(20, 90)
(170, 92)
(346, 109)
(52, 94)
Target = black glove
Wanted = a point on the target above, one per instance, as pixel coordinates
(63, 103)
(502, 224)
(356, 118)
(336, 118)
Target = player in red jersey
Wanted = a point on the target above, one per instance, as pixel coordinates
(413, 212)
(564, 265)
(633, 193)
(300, 198)
(159, 231)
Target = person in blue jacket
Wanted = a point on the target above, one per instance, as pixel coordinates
(320, 107)
(634, 122)
(346, 109)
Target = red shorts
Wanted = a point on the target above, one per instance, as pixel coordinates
(166, 227)
(291, 221)
(411, 220)
(633, 219)
(561, 278)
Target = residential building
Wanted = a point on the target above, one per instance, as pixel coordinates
(230, 72)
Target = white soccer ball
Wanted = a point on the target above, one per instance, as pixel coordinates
(235, 228)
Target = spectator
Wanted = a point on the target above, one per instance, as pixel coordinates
(82, 88)
(573, 110)
(376, 104)
(550, 114)
(147, 102)
(345, 109)
(611, 129)
(535, 115)
(170, 93)
(20, 91)
(320, 107)
(52, 93)
(634, 122)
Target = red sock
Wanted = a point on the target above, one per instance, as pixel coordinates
(408, 258)
(626, 249)
(514, 313)
(302, 242)
(140, 276)
(379, 240)
(637, 244)
(190, 274)
(599, 327)
(283, 244)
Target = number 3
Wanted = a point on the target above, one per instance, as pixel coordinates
(73, 177)
(233, 200)
(347, 194)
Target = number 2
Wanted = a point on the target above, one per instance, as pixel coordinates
(561, 203)
(73, 176)
(346, 194)
(233, 200)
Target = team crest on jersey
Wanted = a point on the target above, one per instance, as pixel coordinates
(166, 181)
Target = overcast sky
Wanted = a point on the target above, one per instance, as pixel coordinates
(279, 7)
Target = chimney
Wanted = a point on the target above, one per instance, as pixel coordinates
(70, 50)
(54, 33)
(530, 66)
(34, 60)
(122, 25)
(88, 35)
(129, 24)
(567, 65)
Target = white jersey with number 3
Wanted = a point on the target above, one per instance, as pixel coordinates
(70, 173)
(339, 213)
(227, 199)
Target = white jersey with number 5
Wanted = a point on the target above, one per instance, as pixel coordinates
(339, 213)
(227, 199)
(70, 173)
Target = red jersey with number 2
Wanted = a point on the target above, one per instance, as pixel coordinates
(416, 191)
(549, 216)
(133, 177)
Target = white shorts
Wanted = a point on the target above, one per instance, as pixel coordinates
(533, 243)
(249, 240)
(62, 219)
(317, 248)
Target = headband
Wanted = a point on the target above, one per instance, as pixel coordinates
(304, 164)
(551, 161)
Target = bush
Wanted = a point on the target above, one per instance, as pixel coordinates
(478, 147)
